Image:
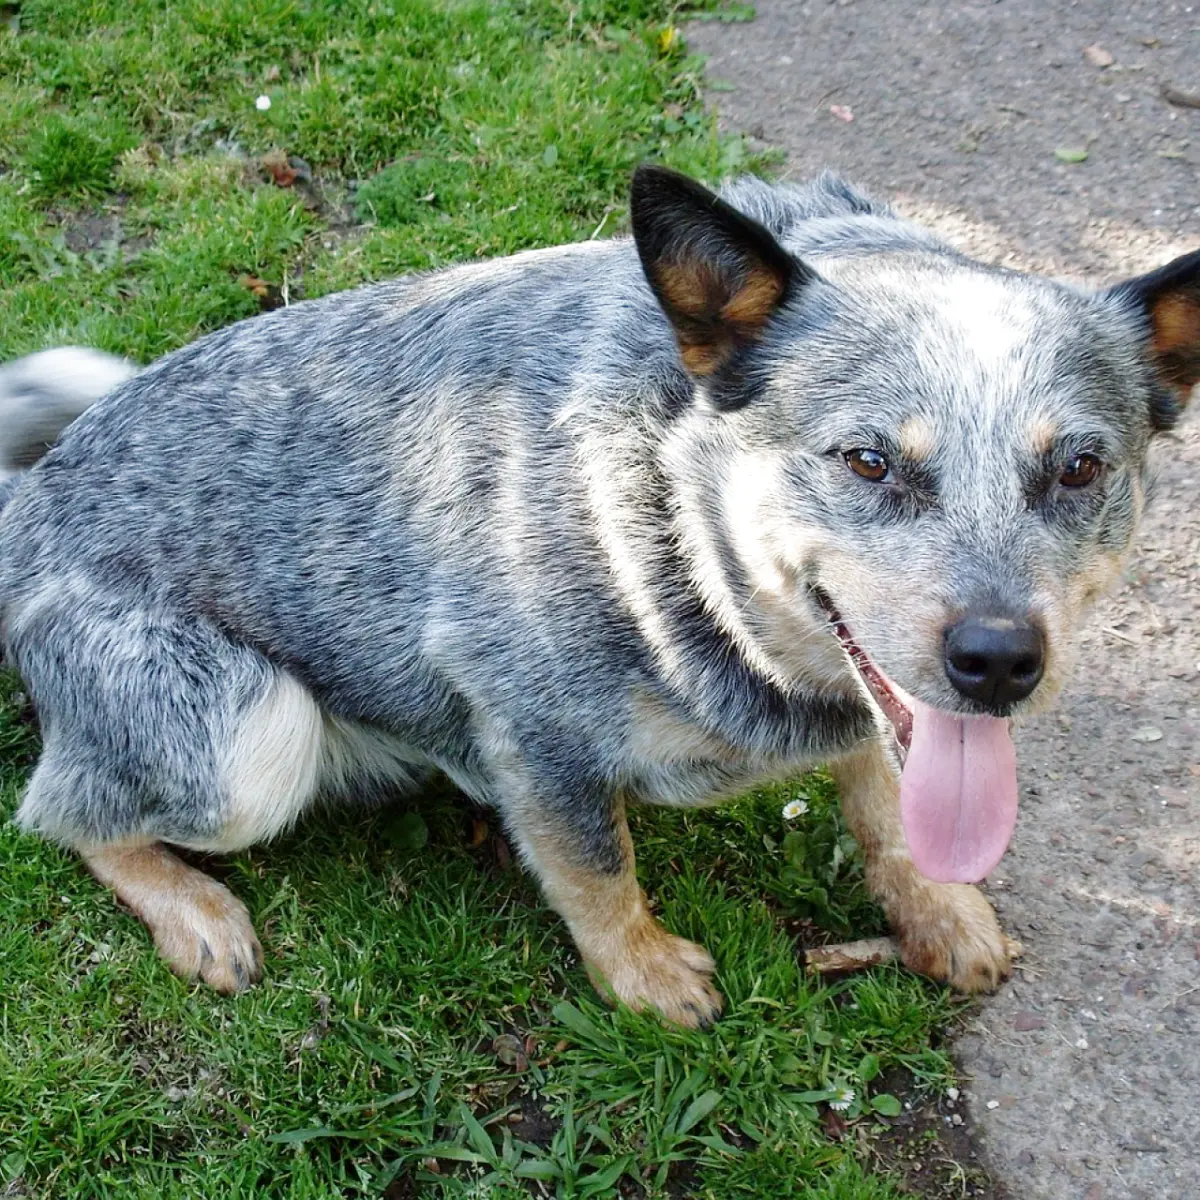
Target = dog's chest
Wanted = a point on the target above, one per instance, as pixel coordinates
(674, 761)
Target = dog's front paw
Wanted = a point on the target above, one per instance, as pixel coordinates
(654, 969)
(207, 933)
(949, 932)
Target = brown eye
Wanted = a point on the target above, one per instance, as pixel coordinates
(869, 464)
(1080, 470)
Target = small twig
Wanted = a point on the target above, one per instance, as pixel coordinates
(851, 956)
(1176, 1000)
(980, 1028)
(833, 91)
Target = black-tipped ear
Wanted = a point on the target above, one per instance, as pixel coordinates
(718, 275)
(1170, 298)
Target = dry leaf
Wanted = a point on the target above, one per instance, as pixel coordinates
(277, 166)
(1097, 56)
(510, 1052)
(836, 1126)
(252, 283)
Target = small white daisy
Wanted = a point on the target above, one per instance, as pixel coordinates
(263, 103)
(793, 809)
(843, 1097)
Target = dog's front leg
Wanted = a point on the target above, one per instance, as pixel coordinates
(584, 861)
(947, 931)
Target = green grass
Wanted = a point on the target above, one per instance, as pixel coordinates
(386, 1052)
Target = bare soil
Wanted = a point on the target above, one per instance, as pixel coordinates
(1083, 1073)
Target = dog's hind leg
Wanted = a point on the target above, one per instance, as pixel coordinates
(160, 730)
(270, 773)
(947, 931)
(586, 868)
(200, 927)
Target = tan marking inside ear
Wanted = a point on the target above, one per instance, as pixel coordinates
(1043, 434)
(702, 358)
(1176, 339)
(693, 290)
(752, 304)
(690, 287)
(1176, 324)
(916, 439)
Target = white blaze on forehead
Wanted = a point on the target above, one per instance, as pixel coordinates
(971, 313)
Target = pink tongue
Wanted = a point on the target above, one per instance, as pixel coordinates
(958, 794)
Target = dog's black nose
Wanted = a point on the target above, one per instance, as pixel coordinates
(995, 661)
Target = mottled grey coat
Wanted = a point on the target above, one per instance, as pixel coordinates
(485, 521)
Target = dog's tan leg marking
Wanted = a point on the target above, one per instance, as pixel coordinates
(627, 953)
(947, 931)
(200, 927)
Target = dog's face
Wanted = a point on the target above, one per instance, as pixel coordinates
(962, 456)
(943, 461)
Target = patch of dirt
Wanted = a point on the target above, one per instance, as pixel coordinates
(535, 1125)
(97, 230)
(1082, 1072)
(930, 1146)
(98, 233)
(401, 1188)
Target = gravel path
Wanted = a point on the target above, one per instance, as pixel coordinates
(1085, 1070)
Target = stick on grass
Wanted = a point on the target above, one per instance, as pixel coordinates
(851, 956)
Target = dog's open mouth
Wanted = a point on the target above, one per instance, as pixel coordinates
(958, 785)
(881, 688)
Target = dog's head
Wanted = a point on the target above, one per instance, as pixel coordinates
(940, 461)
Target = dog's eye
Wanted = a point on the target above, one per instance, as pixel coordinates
(1080, 470)
(869, 464)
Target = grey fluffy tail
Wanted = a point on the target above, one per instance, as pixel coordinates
(41, 394)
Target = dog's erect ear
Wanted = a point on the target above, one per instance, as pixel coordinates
(718, 275)
(1170, 298)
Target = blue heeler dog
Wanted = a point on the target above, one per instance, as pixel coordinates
(782, 480)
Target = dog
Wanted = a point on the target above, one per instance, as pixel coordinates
(781, 480)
